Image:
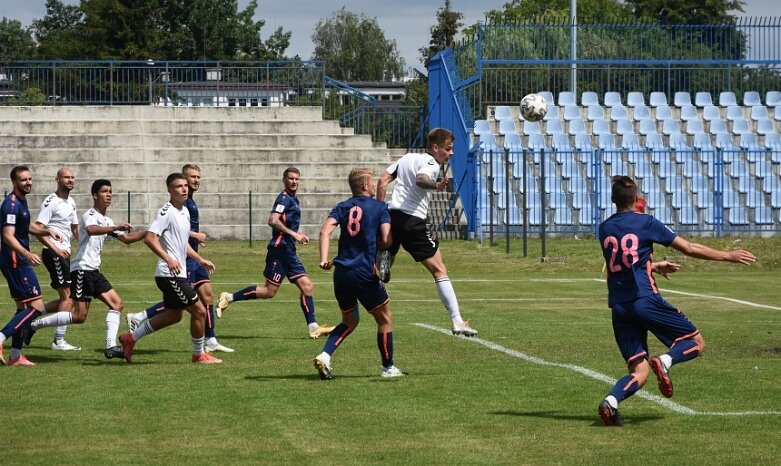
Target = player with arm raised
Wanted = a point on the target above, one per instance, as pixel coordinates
(627, 240)
(364, 224)
(87, 282)
(416, 176)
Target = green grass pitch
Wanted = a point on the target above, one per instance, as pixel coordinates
(524, 392)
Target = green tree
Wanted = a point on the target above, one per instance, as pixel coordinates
(16, 42)
(687, 11)
(355, 48)
(122, 29)
(60, 32)
(443, 33)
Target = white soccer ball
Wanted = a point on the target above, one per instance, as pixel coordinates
(533, 107)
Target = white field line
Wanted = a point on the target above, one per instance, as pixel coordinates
(678, 408)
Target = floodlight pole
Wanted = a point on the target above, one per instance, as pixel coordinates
(573, 45)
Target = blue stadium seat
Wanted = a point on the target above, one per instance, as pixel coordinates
(775, 199)
(663, 112)
(734, 112)
(589, 98)
(577, 126)
(560, 142)
(503, 112)
(689, 113)
(727, 98)
(681, 98)
(759, 112)
(489, 146)
(548, 96)
(630, 141)
(718, 126)
(657, 98)
(624, 127)
(666, 166)
(737, 216)
(600, 127)
(607, 142)
(566, 98)
(596, 112)
(654, 198)
(699, 184)
(654, 142)
(763, 168)
(563, 216)
(765, 127)
(482, 127)
(558, 200)
(642, 169)
(678, 141)
(531, 127)
(711, 112)
(583, 142)
(577, 186)
(581, 199)
(751, 98)
(506, 127)
(641, 112)
(571, 112)
(773, 141)
(647, 127)
(612, 99)
(702, 141)
(740, 126)
(693, 127)
(738, 169)
(635, 99)
(619, 112)
(754, 198)
(688, 216)
(553, 113)
(586, 217)
(553, 127)
(703, 200)
(703, 99)
(664, 215)
(670, 127)
(773, 98)
(763, 216)
(680, 200)
(512, 142)
(750, 141)
(569, 167)
(777, 113)
(691, 168)
(537, 142)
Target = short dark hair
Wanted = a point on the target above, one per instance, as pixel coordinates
(18, 169)
(99, 183)
(173, 177)
(290, 170)
(438, 136)
(190, 166)
(623, 192)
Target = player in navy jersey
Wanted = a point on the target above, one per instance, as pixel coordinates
(17, 262)
(627, 240)
(364, 225)
(281, 258)
(197, 275)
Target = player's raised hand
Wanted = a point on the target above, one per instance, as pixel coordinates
(665, 267)
(741, 257)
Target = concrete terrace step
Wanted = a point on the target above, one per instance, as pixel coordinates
(142, 112)
(111, 157)
(96, 127)
(216, 141)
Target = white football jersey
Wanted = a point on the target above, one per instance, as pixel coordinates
(90, 248)
(59, 214)
(172, 225)
(407, 196)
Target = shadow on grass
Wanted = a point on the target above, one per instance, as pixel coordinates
(574, 417)
(315, 377)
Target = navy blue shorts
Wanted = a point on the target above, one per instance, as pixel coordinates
(281, 264)
(22, 283)
(197, 274)
(634, 319)
(352, 287)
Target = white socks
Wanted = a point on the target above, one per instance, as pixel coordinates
(197, 346)
(112, 328)
(667, 360)
(53, 320)
(448, 297)
(142, 330)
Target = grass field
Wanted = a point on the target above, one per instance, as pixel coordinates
(524, 392)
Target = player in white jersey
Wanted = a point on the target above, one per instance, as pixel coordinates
(86, 280)
(58, 213)
(167, 237)
(416, 175)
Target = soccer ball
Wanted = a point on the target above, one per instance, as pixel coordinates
(533, 107)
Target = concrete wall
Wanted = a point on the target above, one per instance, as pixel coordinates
(240, 149)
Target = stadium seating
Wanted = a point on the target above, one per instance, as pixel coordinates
(703, 99)
(506, 127)
(663, 112)
(481, 127)
(751, 99)
(727, 98)
(589, 98)
(710, 113)
(641, 112)
(553, 127)
(612, 99)
(689, 113)
(773, 98)
(682, 98)
(502, 113)
(566, 98)
(657, 98)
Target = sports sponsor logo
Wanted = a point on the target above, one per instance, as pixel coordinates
(10, 219)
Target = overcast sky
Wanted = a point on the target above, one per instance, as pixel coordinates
(405, 21)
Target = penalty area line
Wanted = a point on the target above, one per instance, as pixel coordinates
(672, 406)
